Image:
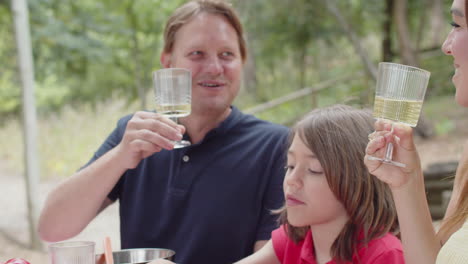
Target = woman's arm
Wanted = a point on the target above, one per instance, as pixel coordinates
(420, 243)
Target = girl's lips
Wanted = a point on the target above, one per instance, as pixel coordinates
(292, 201)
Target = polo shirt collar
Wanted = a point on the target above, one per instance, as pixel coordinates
(234, 117)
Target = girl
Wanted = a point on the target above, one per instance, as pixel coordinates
(420, 241)
(335, 211)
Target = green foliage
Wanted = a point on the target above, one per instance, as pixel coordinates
(84, 51)
(438, 110)
(442, 70)
(444, 127)
(88, 51)
(9, 93)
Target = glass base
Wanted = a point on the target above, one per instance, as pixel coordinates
(388, 161)
(181, 144)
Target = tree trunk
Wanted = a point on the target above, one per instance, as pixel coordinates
(348, 29)
(303, 66)
(408, 56)
(136, 55)
(437, 23)
(26, 69)
(387, 53)
(250, 73)
(249, 80)
(422, 25)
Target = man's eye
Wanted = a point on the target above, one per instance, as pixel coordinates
(227, 54)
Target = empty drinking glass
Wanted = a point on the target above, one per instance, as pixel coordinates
(72, 252)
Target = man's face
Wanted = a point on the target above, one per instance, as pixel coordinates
(209, 47)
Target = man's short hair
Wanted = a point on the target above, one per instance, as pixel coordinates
(190, 10)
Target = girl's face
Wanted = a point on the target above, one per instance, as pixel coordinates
(309, 199)
(456, 45)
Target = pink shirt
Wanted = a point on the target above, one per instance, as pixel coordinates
(384, 250)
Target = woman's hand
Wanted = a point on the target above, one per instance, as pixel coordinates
(404, 151)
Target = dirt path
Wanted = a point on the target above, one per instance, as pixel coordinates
(14, 234)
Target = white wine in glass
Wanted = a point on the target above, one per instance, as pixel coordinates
(403, 111)
(173, 95)
(399, 98)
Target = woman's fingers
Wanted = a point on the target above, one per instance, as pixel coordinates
(377, 142)
(405, 136)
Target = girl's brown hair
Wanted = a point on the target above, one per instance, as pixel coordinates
(337, 135)
(190, 10)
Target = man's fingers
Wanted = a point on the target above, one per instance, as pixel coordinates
(147, 146)
(157, 124)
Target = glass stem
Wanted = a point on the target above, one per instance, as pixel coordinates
(389, 150)
(175, 119)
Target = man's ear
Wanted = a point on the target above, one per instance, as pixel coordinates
(165, 59)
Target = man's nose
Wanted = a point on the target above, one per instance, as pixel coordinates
(214, 66)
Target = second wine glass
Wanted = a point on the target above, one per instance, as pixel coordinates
(398, 98)
(173, 95)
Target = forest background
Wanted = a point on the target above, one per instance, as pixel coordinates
(93, 62)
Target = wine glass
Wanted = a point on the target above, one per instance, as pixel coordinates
(398, 98)
(173, 95)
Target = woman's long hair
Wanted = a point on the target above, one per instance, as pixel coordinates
(338, 137)
(453, 222)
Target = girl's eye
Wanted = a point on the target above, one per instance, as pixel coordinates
(288, 167)
(315, 172)
(455, 25)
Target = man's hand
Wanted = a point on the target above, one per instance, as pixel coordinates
(145, 134)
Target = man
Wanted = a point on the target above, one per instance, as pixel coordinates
(211, 201)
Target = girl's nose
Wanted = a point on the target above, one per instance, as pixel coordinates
(293, 179)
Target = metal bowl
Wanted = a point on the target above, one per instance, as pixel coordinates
(137, 255)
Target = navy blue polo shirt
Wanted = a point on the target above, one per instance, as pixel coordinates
(209, 202)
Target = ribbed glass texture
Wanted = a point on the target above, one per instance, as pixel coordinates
(400, 92)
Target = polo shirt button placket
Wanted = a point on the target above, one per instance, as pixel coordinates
(186, 158)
